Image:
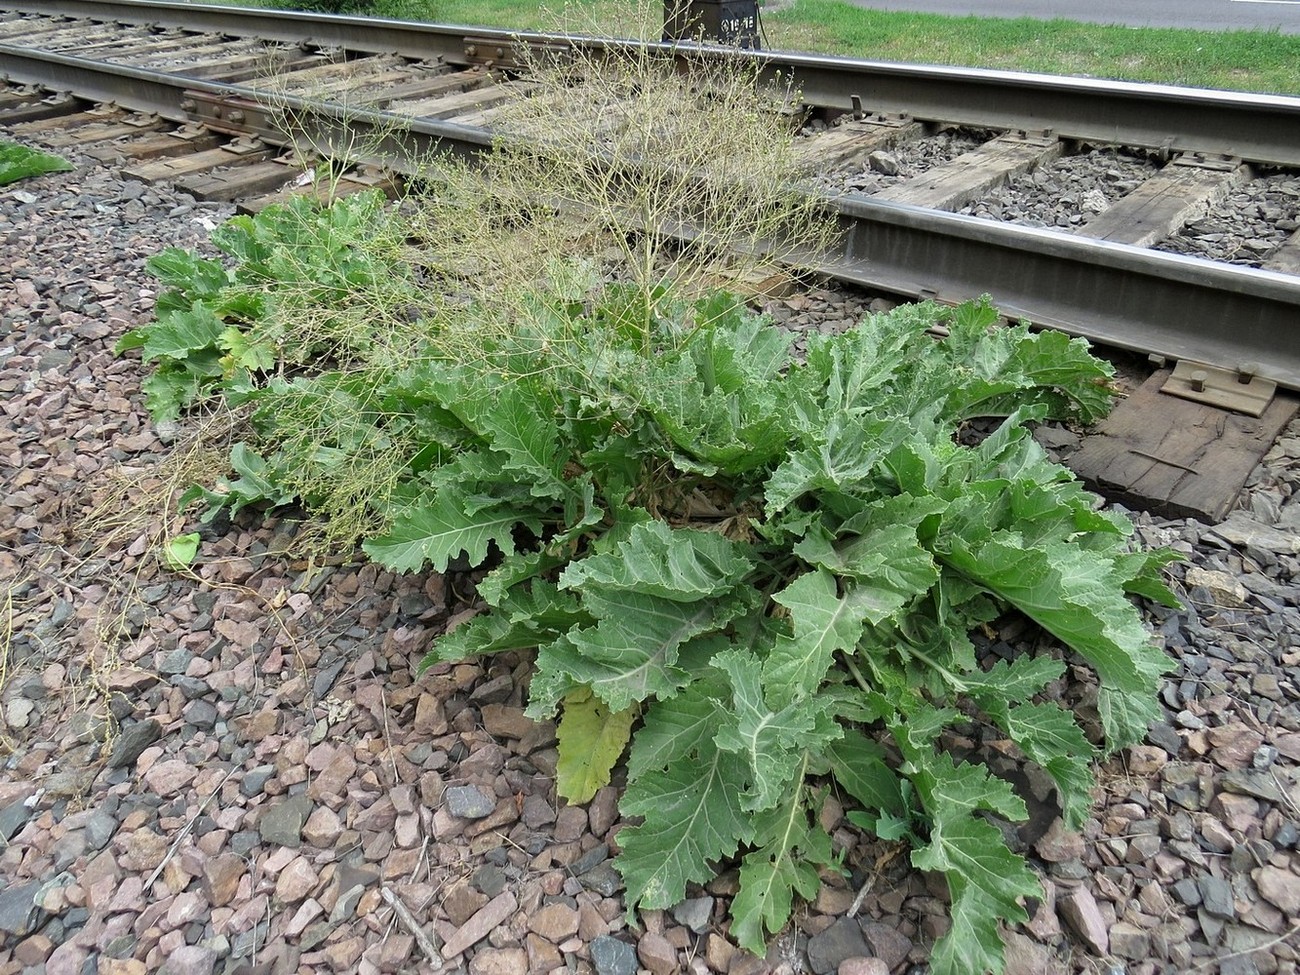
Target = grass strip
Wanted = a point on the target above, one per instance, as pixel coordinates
(1258, 61)
(1262, 61)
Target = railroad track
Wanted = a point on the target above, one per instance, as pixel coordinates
(181, 89)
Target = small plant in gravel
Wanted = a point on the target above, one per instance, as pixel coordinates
(296, 336)
(665, 180)
(19, 162)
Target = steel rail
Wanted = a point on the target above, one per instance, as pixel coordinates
(323, 126)
(373, 35)
(1261, 128)
(1148, 301)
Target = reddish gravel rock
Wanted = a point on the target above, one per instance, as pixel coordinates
(190, 960)
(295, 881)
(500, 961)
(1280, 887)
(168, 778)
(658, 954)
(870, 966)
(1059, 844)
(1081, 914)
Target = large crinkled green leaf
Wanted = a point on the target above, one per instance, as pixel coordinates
(475, 476)
(772, 743)
(438, 530)
(677, 727)
(632, 653)
(1049, 735)
(1076, 596)
(985, 884)
(790, 850)
(20, 162)
(715, 399)
(715, 429)
(888, 564)
(859, 766)
(1046, 733)
(822, 621)
(1141, 574)
(682, 565)
(845, 457)
(182, 333)
(986, 881)
(170, 389)
(1012, 680)
(508, 577)
(854, 370)
(525, 439)
(522, 619)
(197, 277)
(693, 819)
(1014, 366)
(733, 350)
(947, 788)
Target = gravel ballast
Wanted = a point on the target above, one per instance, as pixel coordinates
(241, 770)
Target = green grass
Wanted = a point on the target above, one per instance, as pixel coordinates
(18, 162)
(1260, 61)
(1239, 60)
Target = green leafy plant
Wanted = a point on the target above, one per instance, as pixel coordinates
(299, 290)
(292, 327)
(775, 566)
(19, 162)
(752, 573)
(181, 550)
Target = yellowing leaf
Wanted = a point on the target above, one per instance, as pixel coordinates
(592, 739)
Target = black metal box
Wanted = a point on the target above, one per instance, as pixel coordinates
(731, 22)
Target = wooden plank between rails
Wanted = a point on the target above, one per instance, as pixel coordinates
(972, 174)
(58, 36)
(127, 47)
(165, 55)
(1180, 192)
(854, 141)
(105, 131)
(1178, 458)
(437, 81)
(226, 156)
(261, 64)
(464, 102)
(48, 108)
(182, 142)
(239, 182)
(17, 99)
(46, 128)
(324, 191)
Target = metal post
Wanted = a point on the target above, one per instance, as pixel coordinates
(730, 22)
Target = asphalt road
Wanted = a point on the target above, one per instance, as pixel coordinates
(1280, 15)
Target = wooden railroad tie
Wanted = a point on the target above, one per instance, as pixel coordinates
(1175, 457)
